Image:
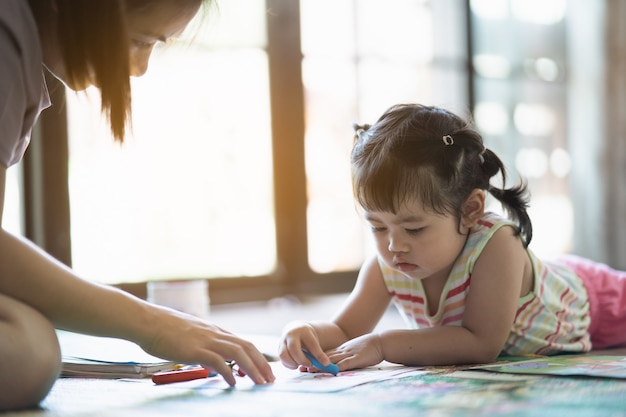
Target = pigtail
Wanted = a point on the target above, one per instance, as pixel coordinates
(514, 200)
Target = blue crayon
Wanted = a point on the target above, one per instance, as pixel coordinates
(331, 369)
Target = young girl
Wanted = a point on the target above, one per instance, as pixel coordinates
(463, 278)
(99, 42)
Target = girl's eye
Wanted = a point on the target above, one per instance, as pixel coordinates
(376, 229)
(414, 231)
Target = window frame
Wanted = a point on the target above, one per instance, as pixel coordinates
(46, 193)
(46, 190)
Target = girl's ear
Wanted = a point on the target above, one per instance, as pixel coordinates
(473, 208)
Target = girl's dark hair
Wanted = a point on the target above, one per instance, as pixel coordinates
(430, 154)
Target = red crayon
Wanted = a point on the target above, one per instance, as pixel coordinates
(180, 375)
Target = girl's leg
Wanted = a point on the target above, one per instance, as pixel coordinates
(30, 356)
(607, 301)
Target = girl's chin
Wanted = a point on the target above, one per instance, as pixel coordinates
(406, 268)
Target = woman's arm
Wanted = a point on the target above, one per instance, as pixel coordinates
(32, 277)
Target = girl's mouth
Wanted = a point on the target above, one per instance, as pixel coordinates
(405, 266)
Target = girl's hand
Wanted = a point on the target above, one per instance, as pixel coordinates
(360, 352)
(189, 340)
(299, 336)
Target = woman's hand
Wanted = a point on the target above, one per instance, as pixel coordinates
(189, 340)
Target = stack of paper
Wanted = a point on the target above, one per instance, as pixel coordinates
(103, 357)
(86, 368)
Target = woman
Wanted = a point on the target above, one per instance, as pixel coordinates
(101, 43)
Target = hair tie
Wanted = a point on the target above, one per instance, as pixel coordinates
(447, 140)
(481, 156)
(359, 130)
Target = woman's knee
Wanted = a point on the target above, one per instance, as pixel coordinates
(30, 352)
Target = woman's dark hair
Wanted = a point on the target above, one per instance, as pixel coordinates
(94, 46)
(430, 154)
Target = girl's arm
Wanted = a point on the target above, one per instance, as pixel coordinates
(366, 304)
(359, 315)
(501, 275)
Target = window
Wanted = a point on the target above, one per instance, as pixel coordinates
(237, 168)
(521, 99)
(11, 216)
(248, 175)
(189, 194)
(366, 59)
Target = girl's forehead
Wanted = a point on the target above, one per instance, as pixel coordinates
(409, 211)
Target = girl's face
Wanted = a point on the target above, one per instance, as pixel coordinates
(418, 243)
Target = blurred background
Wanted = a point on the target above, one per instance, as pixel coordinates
(237, 167)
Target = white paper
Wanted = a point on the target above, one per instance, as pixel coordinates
(296, 381)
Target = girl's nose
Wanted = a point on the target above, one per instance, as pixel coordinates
(396, 245)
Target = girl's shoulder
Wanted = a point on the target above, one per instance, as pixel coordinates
(492, 221)
(479, 236)
(485, 228)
